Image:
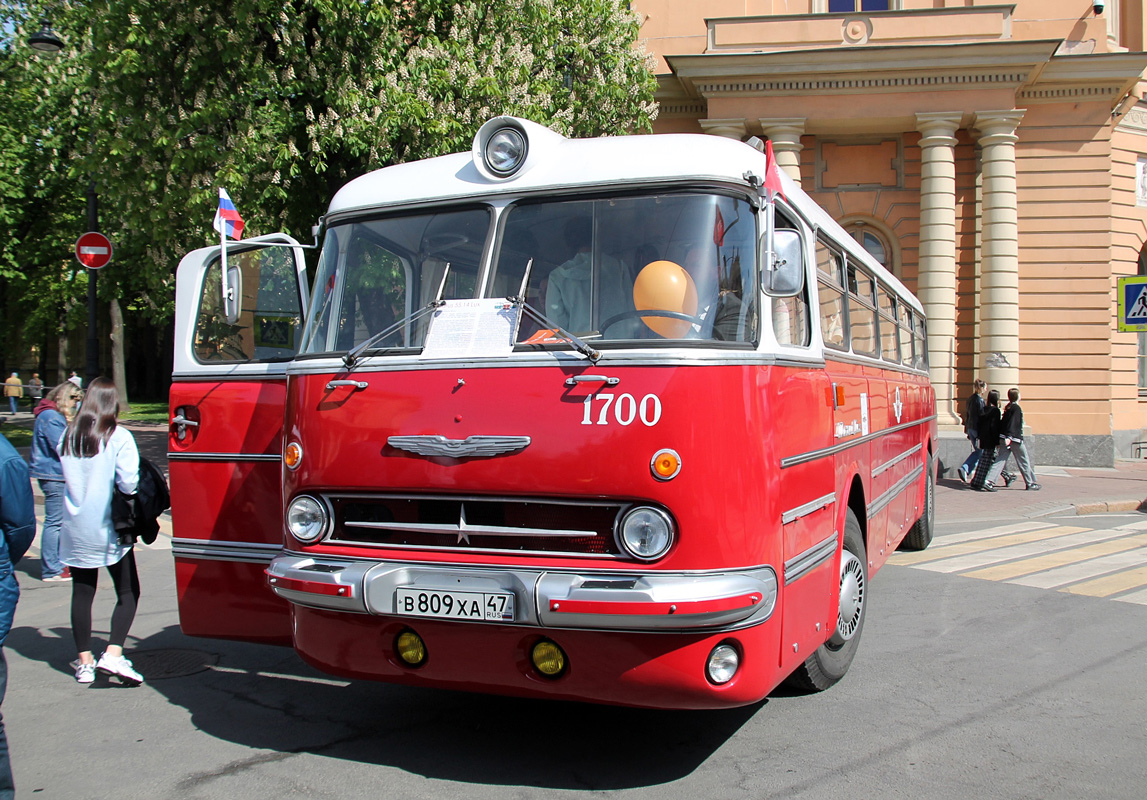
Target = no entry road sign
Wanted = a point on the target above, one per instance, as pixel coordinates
(93, 250)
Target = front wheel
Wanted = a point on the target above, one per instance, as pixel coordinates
(831, 660)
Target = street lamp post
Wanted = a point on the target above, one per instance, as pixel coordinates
(92, 369)
(47, 42)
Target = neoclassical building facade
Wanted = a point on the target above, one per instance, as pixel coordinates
(993, 155)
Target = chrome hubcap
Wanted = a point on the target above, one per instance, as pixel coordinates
(852, 590)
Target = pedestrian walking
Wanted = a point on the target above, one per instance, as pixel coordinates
(98, 456)
(989, 433)
(17, 529)
(13, 390)
(972, 412)
(53, 414)
(35, 388)
(1012, 443)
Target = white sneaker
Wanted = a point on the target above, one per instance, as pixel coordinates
(85, 673)
(120, 667)
(963, 475)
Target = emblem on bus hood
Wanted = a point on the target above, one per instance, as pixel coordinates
(470, 447)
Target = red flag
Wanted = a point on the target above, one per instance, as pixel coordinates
(772, 174)
(719, 230)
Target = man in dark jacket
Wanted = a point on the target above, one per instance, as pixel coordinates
(1012, 442)
(972, 412)
(18, 526)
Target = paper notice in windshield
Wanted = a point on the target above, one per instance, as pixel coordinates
(472, 329)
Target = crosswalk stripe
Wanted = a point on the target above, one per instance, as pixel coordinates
(1060, 558)
(1073, 573)
(1139, 597)
(985, 558)
(945, 551)
(1111, 584)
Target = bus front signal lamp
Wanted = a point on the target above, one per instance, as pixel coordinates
(410, 648)
(666, 464)
(293, 456)
(548, 658)
(724, 661)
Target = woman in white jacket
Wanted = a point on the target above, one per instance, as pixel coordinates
(97, 455)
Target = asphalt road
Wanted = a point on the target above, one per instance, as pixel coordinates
(964, 687)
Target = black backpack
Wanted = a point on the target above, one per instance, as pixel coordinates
(136, 516)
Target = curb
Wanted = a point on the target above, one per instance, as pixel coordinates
(1113, 505)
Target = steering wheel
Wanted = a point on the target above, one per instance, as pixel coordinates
(651, 312)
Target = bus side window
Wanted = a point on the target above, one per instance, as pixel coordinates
(904, 317)
(889, 344)
(270, 324)
(833, 325)
(920, 339)
(790, 319)
(861, 312)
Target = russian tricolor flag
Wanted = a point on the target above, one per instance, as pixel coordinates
(227, 219)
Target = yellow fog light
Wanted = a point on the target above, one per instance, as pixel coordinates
(548, 658)
(665, 464)
(293, 455)
(410, 648)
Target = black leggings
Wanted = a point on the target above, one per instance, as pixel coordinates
(126, 580)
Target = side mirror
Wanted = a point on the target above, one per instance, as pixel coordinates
(233, 295)
(787, 277)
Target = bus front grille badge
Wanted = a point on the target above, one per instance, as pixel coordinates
(470, 447)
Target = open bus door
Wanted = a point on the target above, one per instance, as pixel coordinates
(233, 342)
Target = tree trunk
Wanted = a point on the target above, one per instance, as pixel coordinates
(118, 372)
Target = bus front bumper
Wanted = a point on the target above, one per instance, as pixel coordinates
(606, 600)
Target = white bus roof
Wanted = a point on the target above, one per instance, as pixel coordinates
(555, 163)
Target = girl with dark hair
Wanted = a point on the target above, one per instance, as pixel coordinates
(98, 455)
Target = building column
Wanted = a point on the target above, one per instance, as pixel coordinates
(729, 128)
(785, 134)
(1000, 263)
(936, 285)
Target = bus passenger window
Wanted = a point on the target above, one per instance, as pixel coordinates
(861, 312)
(920, 341)
(832, 320)
(889, 342)
(904, 317)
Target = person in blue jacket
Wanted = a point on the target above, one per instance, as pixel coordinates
(53, 414)
(18, 526)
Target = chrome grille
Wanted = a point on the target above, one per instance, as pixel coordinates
(516, 525)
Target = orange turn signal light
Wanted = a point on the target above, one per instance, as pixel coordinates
(665, 464)
(293, 455)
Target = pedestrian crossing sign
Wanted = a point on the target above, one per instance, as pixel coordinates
(1133, 304)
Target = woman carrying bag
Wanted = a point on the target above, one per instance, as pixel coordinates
(98, 456)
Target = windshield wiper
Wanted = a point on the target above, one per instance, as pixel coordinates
(537, 316)
(351, 358)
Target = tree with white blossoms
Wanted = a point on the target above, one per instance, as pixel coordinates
(281, 102)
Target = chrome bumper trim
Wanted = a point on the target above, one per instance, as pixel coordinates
(213, 550)
(580, 600)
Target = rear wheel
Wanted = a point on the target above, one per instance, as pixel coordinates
(920, 535)
(831, 660)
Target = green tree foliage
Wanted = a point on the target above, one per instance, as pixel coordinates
(280, 102)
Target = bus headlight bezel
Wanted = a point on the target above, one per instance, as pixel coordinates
(307, 518)
(629, 538)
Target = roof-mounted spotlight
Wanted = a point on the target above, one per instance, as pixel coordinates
(505, 147)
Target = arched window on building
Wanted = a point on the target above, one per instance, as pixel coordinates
(874, 241)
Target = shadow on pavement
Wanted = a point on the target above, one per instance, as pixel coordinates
(266, 698)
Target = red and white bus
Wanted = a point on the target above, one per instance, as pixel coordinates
(557, 418)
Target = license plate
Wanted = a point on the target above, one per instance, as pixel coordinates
(481, 606)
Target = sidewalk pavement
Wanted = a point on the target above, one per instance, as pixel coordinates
(1066, 490)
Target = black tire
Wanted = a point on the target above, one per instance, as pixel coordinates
(920, 534)
(829, 662)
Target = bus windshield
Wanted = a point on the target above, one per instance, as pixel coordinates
(623, 269)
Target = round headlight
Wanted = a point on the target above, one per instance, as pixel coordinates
(505, 151)
(723, 663)
(306, 518)
(646, 533)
